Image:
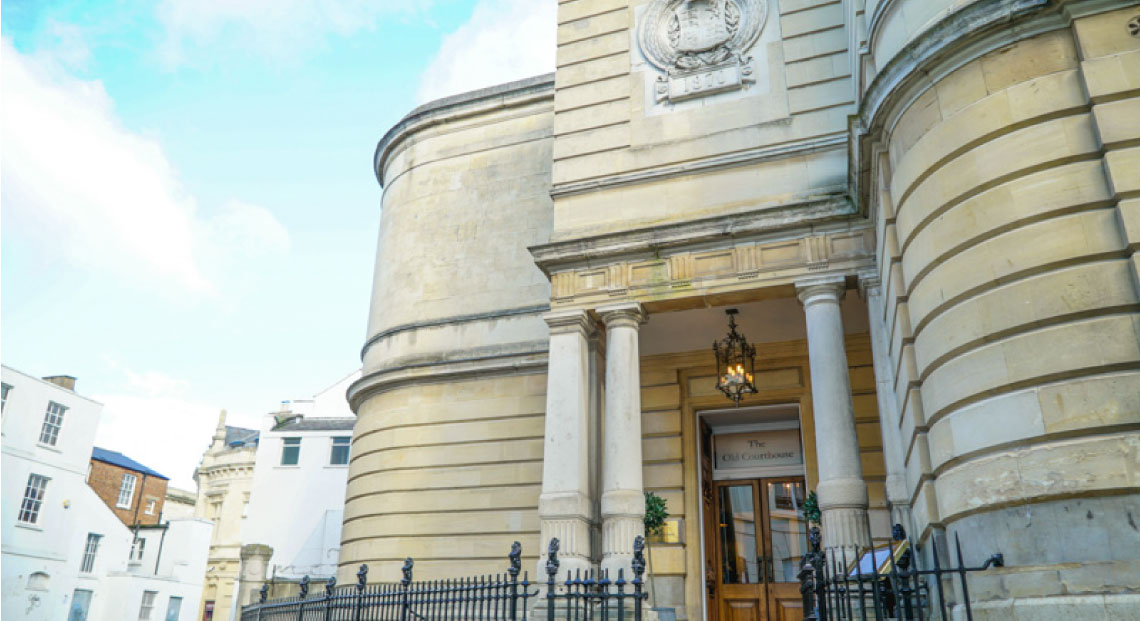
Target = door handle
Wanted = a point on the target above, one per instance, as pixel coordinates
(771, 569)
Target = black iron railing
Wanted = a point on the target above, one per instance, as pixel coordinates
(590, 595)
(584, 596)
(885, 582)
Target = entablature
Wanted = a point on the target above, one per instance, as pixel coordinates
(762, 248)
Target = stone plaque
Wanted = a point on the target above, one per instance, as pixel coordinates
(759, 449)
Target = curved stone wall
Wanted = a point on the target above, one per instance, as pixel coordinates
(447, 453)
(1010, 212)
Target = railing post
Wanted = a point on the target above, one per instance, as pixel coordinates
(405, 583)
(638, 565)
(551, 571)
(263, 594)
(361, 581)
(330, 586)
(304, 594)
(516, 565)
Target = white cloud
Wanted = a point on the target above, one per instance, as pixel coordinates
(139, 423)
(276, 28)
(504, 40)
(81, 188)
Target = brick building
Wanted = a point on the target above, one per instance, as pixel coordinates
(132, 491)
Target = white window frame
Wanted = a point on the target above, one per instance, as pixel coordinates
(344, 442)
(146, 607)
(138, 549)
(151, 504)
(53, 422)
(292, 442)
(33, 501)
(128, 490)
(90, 551)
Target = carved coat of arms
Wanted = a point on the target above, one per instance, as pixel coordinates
(699, 44)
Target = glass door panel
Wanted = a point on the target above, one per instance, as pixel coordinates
(738, 531)
(788, 528)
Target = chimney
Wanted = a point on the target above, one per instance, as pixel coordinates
(63, 381)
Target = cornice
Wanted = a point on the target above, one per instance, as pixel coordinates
(739, 158)
(494, 365)
(509, 95)
(611, 247)
(452, 320)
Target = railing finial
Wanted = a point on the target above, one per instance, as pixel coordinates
(330, 586)
(362, 577)
(638, 557)
(305, 586)
(263, 594)
(552, 558)
(516, 560)
(407, 569)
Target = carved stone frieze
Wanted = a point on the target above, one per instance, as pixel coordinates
(737, 265)
(701, 45)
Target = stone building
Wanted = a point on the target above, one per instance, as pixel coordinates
(134, 493)
(224, 478)
(926, 213)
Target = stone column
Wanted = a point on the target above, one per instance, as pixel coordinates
(897, 497)
(623, 496)
(252, 575)
(841, 490)
(565, 507)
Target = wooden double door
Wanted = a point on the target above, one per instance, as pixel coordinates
(754, 544)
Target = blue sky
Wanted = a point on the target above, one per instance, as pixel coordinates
(188, 214)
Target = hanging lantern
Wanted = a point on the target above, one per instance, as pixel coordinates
(735, 362)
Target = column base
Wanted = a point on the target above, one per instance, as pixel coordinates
(846, 529)
(618, 533)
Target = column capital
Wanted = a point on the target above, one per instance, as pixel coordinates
(821, 289)
(625, 314)
(571, 321)
(869, 284)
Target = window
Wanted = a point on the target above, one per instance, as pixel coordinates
(53, 420)
(147, 607)
(137, 547)
(173, 608)
(208, 611)
(89, 552)
(126, 491)
(291, 452)
(33, 499)
(38, 581)
(339, 455)
(4, 388)
(150, 502)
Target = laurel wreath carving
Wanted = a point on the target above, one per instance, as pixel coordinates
(660, 33)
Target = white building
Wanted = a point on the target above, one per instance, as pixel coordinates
(65, 554)
(297, 501)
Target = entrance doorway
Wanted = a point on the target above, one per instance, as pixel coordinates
(755, 532)
(760, 537)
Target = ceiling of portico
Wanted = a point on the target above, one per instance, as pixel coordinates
(767, 321)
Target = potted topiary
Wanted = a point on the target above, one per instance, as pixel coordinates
(656, 512)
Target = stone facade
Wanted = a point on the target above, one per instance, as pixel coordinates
(225, 479)
(927, 212)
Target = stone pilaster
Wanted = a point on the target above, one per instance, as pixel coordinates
(623, 496)
(842, 492)
(897, 497)
(566, 506)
